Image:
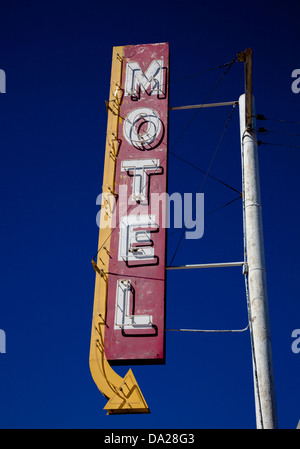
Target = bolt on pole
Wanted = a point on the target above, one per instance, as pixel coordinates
(265, 402)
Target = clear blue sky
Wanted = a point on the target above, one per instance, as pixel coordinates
(57, 58)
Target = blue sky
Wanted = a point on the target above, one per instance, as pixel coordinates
(57, 59)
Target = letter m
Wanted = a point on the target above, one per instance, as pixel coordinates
(151, 81)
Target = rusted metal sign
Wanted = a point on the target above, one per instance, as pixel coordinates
(129, 300)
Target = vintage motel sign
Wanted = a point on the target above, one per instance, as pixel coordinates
(129, 305)
(136, 286)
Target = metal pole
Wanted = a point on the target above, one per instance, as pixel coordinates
(200, 106)
(265, 403)
(207, 265)
(248, 87)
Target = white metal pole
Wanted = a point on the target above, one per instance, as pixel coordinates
(200, 106)
(265, 403)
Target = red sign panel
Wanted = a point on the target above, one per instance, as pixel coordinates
(135, 320)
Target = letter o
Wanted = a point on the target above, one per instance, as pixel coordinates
(143, 128)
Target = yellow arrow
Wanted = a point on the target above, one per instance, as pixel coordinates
(124, 395)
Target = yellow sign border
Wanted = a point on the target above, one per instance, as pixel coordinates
(124, 394)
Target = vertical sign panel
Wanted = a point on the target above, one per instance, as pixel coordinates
(135, 313)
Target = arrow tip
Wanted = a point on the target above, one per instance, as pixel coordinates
(128, 398)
